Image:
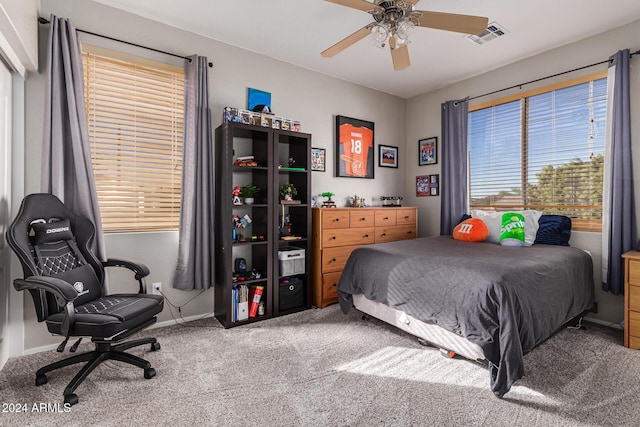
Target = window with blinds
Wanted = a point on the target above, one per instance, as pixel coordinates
(543, 150)
(135, 114)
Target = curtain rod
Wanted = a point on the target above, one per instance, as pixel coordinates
(548, 77)
(46, 21)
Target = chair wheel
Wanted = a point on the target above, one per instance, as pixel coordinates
(71, 399)
(149, 373)
(41, 379)
(155, 346)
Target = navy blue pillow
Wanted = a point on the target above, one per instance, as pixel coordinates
(464, 217)
(553, 230)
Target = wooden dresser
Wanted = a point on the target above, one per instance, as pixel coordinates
(338, 231)
(632, 299)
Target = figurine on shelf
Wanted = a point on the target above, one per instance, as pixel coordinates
(236, 196)
(292, 162)
(288, 192)
(328, 203)
(358, 202)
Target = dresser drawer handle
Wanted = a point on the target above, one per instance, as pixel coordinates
(410, 232)
(333, 238)
(385, 218)
(337, 219)
(366, 236)
(332, 260)
(383, 234)
(406, 217)
(363, 219)
(334, 284)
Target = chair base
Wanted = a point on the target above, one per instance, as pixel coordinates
(103, 351)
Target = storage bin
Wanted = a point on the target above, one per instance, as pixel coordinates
(291, 293)
(291, 260)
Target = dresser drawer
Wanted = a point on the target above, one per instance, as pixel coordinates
(634, 324)
(385, 217)
(335, 218)
(634, 272)
(405, 216)
(390, 234)
(634, 298)
(347, 237)
(363, 218)
(634, 343)
(334, 259)
(330, 285)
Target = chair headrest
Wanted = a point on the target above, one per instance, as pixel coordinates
(51, 231)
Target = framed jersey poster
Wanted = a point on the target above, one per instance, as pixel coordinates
(354, 148)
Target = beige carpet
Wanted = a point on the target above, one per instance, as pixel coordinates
(323, 368)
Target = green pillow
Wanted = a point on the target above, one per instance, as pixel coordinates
(512, 230)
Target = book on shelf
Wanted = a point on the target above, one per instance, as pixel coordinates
(255, 294)
(243, 302)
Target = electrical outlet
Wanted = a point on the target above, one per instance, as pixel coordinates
(156, 288)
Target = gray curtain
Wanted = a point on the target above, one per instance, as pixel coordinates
(623, 233)
(195, 268)
(453, 152)
(66, 157)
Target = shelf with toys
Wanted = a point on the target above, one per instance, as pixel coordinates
(256, 225)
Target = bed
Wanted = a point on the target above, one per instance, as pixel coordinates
(482, 300)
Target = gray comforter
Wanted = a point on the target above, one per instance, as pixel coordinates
(506, 300)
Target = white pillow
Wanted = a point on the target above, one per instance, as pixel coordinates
(494, 224)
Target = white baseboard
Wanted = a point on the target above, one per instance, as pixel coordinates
(162, 324)
(603, 322)
(183, 320)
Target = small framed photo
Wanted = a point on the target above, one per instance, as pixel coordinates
(387, 156)
(422, 185)
(428, 151)
(434, 185)
(318, 159)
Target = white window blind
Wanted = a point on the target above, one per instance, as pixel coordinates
(543, 151)
(135, 113)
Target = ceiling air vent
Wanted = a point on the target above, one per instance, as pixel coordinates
(493, 31)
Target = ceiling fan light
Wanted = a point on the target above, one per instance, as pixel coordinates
(379, 33)
(400, 42)
(405, 28)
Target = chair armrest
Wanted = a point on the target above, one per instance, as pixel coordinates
(140, 270)
(63, 291)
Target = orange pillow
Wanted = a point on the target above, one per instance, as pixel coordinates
(471, 230)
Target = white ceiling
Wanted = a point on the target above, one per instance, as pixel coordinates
(296, 31)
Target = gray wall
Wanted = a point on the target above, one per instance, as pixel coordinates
(312, 98)
(424, 121)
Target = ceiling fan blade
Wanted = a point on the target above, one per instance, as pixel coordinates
(399, 56)
(467, 24)
(346, 42)
(363, 5)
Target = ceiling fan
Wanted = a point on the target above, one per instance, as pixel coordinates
(394, 21)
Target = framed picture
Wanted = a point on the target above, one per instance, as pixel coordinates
(318, 156)
(387, 156)
(434, 185)
(428, 151)
(256, 97)
(354, 148)
(422, 185)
